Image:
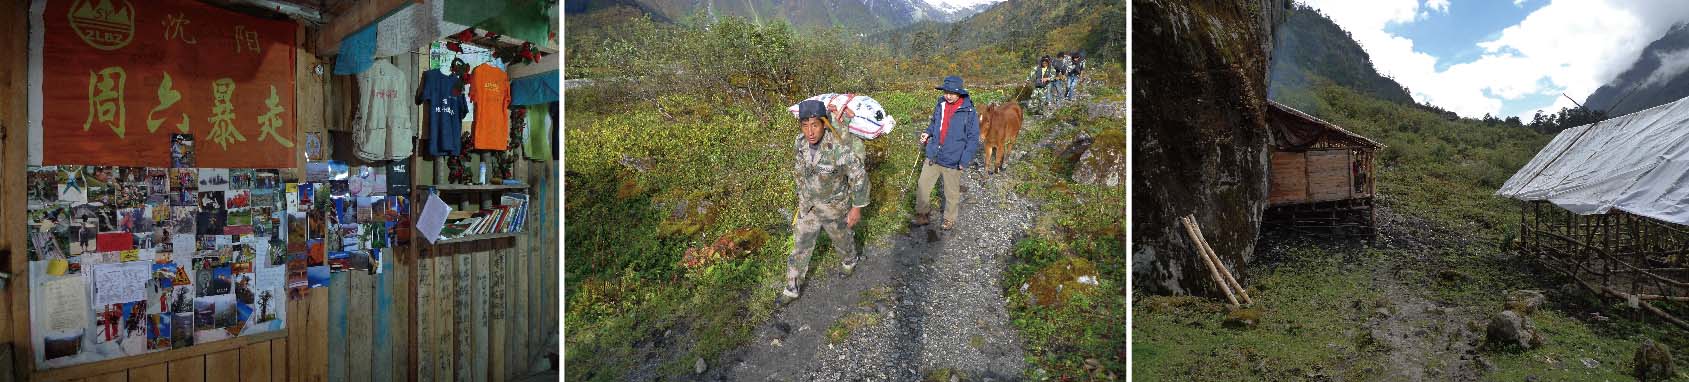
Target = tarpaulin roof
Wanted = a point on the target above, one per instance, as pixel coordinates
(1637, 163)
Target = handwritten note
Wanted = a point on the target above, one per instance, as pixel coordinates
(67, 303)
(433, 218)
(121, 282)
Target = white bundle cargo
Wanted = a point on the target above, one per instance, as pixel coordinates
(871, 120)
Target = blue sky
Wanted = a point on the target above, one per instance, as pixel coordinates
(1504, 58)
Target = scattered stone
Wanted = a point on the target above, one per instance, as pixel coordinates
(1245, 318)
(1653, 362)
(1525, 301)
(1508, 328)
(1590, 363)
(1061, 280)
(698, 366)
(1486, 365)
(776, 343)
(1104, 162)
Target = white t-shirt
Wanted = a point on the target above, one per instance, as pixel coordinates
(382, 129)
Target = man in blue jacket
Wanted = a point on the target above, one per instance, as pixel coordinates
(956, 127)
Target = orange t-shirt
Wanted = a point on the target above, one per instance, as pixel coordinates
(490, 89)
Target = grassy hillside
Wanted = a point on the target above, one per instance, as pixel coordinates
(1308, 44)
(1316, 300)
(1029, 28)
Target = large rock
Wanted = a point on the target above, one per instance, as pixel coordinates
(1510, 328)
(1200, 137)
(1525, 301)
(1653, 362)
(1104, 162)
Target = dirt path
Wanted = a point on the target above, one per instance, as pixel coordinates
(920, 304)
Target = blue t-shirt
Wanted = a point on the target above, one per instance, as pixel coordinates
(445, 112)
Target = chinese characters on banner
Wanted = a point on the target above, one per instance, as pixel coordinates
(121, 76)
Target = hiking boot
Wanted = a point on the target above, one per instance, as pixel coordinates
(849, 265)
(788, 294)
(921, 219)
(948, 224)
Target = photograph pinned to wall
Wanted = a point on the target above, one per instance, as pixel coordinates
(296, 232)
(63, 345)
(244, 286)
(72, 184)
(270, 309)
(362, 261)
(263, 226)
(267, 178)
(368, 180)
(213, 179)
(182, 328)
(158, 181)
(338, 261)
(184, 187)
(182, 150)
(158, 331)
(43, 185)
(298, 285)
(164, 275)
(314, 148)
(241, 178)
(265, 198)
(212, 314)
(397, 220)
(398, 179)
(240, 222)
(317, 275)
(114, 241)
(237, 198)
(107, 216)
(316, 224)
(182, 295)
(322, 171)
(316, 253)
(212, 214)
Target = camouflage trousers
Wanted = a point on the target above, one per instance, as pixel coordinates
(806, 229)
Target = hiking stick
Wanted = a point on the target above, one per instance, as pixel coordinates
(1190, 230)
(1225, 272)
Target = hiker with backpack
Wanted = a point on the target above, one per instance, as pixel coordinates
(1074, 72)
(1041, 77)
(1061, 63)
(956, 127)
(832, 188)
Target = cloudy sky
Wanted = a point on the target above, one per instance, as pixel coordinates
(1505, 58)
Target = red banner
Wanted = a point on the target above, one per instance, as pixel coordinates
(120, 77)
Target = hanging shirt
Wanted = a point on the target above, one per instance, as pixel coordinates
(382, 129)
(490, 89)
(539, 130)
(445, 106)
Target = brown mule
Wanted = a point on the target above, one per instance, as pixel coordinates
(999, 125)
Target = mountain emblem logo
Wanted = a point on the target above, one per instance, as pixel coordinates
(102, 25)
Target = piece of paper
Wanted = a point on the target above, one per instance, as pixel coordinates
(67, 303)
(121, 282)
(433, 218)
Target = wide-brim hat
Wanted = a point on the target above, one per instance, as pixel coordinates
(953, 84)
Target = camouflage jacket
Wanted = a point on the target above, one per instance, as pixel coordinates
(829, 174)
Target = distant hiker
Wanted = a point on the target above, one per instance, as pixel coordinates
(832, 187)
(1041, 77)
(1061, 62)
(1075, 73)
(945, 158)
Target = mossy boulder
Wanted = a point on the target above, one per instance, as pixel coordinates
(1061, 280)
(1243, 318)
(1104, 162)
(731, 245)
(1653, 362)
(1525, 301)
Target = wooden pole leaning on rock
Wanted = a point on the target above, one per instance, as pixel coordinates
(1213, 257)
(1213, 271)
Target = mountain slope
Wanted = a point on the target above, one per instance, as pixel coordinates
(1310, 43)
(863, 16)
(1655, 79)
(1037, 27)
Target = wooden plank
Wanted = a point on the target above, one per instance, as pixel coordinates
(380, 345)
(119, 376)
(158, 372)
(1288, 180)
(445, 342)
(316, 347)
(516, 323)
(191, 369)
(480, 320)
(223, 365)
(308, 114)
(1328, 175)
(255, 362)
(360, 296)
(496, 299)
(463, 318)
(337, 300)
(94, 369)
(360, 15)
(14, 138)
(425, 322)
(278, 360)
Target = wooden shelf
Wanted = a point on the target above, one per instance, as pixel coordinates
(470, 238)
(478, 187)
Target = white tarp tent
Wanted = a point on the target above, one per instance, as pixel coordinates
(1637, 163)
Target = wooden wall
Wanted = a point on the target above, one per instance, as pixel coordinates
(1315, 176)
(482, 311)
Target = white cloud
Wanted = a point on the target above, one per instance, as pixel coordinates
(1566, 46)
(1519, 3)
(1671, 64)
